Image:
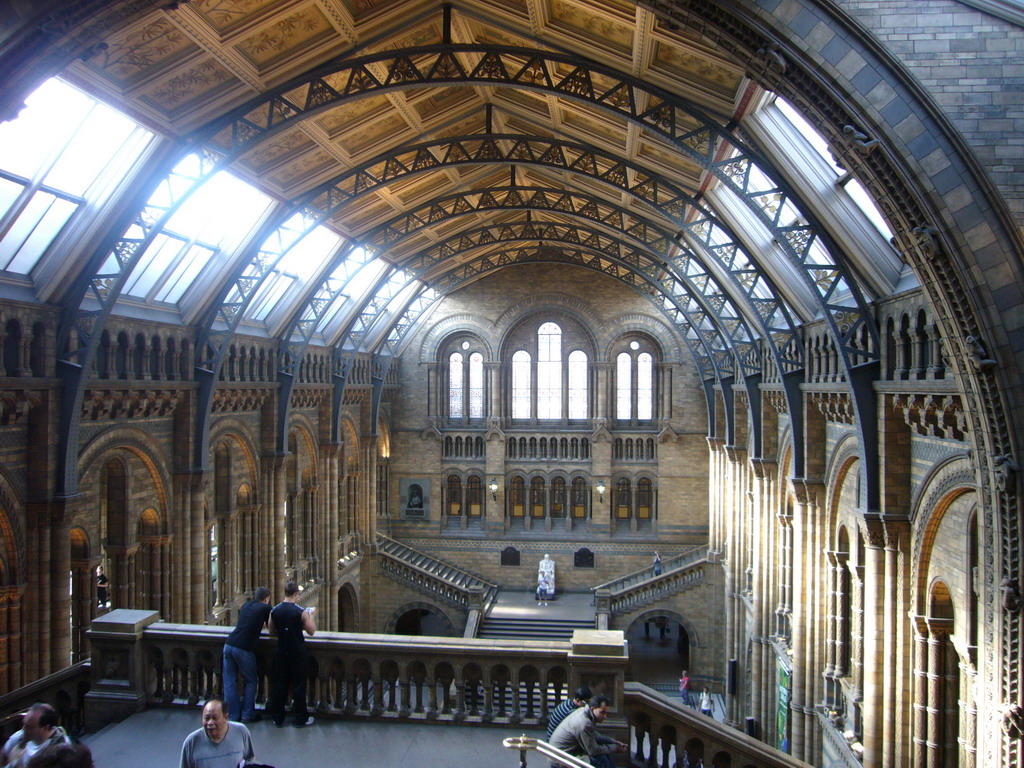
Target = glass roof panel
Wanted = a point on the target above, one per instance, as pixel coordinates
(212, 221)
(63, 149)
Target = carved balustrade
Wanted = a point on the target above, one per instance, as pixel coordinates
(665, 733)
(643, 586)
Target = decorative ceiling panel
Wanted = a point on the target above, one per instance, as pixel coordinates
(228, 16)
(189, 88)
(142, 52)
(602, 30)
(282, 39)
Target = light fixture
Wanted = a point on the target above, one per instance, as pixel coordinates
(494, 488)
(600, 490)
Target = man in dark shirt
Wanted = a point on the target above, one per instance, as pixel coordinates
(566, 708)
(288, 621)
(577, 734)
(240, 657)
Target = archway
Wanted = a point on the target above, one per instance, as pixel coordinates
(423, 621)
(659, 649)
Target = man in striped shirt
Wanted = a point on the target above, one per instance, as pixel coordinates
(563, 710)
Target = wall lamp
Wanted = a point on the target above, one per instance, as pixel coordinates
(600, 490)
(494, 488)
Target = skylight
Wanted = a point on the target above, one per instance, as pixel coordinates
(64, 150)
(214, 220)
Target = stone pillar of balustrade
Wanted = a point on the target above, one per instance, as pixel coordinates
(118, 667)
(599, 659)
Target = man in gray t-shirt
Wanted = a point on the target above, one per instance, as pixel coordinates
(219, 743)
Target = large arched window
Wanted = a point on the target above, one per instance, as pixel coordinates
(465, 383)
(634, 382)
(521, 385)
(546, 383)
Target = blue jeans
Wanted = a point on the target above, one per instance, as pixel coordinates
(236, 660)
(602, 761)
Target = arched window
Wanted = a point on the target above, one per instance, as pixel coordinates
(579, 498)
(537, 497)
(577, 385)
(516, 497)
(623, 499)
(550, 379)
(644, 498)
(634, 382)
(549, 372)
(456, 391)
(474, 496)
(465, 383)
(476, 386)
(558, 497)
(623, 386)
(521, 385)
(454, 495)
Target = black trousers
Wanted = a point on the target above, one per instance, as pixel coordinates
(289, 674)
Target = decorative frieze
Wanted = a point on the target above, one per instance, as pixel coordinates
(231, 400)
(932, 414)
(128, 403)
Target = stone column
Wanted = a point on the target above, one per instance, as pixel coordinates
(919, 748)
(198, 555)
(873, 709)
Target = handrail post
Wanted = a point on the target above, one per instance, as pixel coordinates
(118, 667)
(603, 607)
(599, 659)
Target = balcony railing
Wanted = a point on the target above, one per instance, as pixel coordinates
(140, 662)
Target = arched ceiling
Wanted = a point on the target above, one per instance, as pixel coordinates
(372, 117)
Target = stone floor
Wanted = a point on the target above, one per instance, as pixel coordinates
(152, 739)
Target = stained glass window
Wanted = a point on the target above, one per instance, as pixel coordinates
(455, 387)
(623, 386)
(476, 386)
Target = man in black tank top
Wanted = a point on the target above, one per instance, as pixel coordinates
(240, 658)
(288, 622)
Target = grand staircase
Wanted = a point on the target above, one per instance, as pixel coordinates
(643, 587)
(433, 576)
(533, 628)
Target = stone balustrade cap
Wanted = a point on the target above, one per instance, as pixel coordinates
(124, 620)
(599, 642)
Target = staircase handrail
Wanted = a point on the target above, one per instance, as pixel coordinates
(473, 592)
(668, 566)
(526, 743)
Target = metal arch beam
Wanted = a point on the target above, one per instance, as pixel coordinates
(91, 298)
(773, 318)
(691, 130)
(634, 270)
(736, 335)
(652, 189)
(649, 237)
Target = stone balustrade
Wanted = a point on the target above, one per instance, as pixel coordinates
(363, 675)
(140, 662)
(641, 587)
(433, 577)
(665, 733)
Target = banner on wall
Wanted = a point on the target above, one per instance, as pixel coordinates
(782, 721)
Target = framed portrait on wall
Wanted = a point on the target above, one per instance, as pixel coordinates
(415, 497)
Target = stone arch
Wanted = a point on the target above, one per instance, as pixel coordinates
(348, 608)
(12, 543)
(442, 330)
(431, 608)
(661, 335)
(649, 615)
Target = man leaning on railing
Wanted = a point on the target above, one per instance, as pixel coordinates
(577, 734)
